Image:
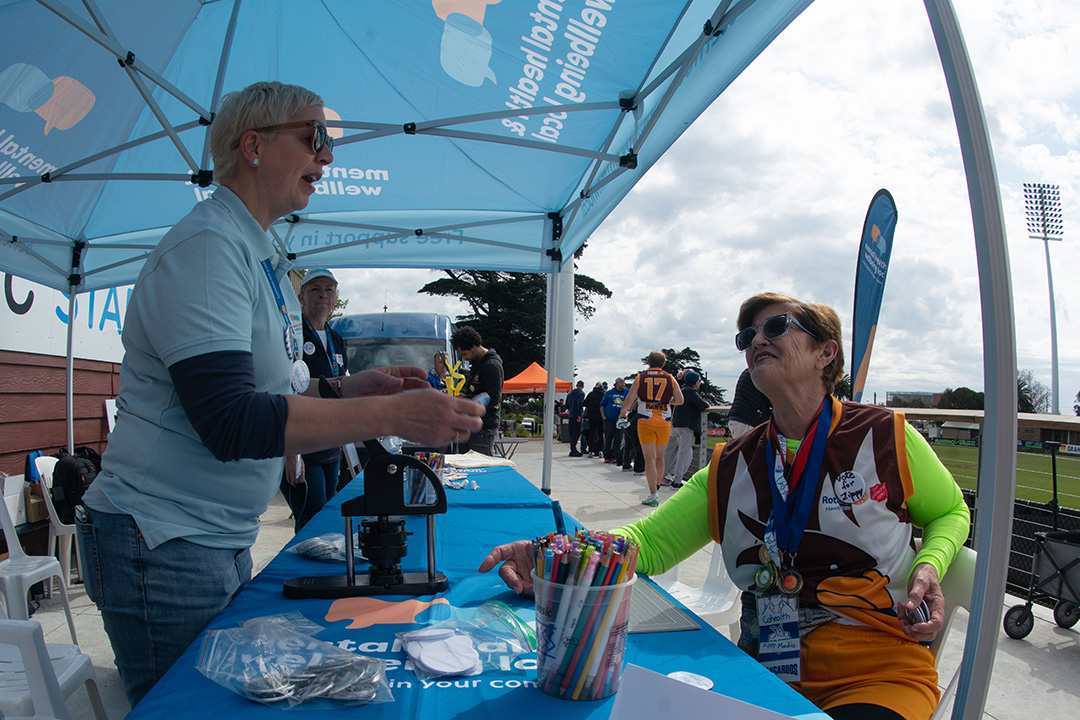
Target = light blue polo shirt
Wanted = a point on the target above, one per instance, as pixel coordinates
(202, 290)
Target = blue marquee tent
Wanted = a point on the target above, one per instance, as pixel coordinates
(471, 133)
(480, 134)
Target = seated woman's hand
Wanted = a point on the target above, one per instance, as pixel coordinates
(923, 586)
(517, 564)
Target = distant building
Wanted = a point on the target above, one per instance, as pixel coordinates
(912, 399)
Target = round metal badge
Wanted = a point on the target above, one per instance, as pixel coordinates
(301, 376)
(765, 578)
(763, 555)
(790, 583)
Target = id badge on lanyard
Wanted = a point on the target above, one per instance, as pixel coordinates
(778, 624)
(294, 332)
(778, 582)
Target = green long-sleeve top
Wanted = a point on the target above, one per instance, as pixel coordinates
(680, 527)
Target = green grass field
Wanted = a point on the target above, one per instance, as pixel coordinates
(1033, 473)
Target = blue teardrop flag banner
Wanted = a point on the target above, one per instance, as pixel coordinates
(874, 252)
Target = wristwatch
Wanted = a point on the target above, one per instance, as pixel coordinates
(330, 388)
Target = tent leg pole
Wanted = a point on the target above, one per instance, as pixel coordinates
(550, 353)
(992, 536)
(70, 368)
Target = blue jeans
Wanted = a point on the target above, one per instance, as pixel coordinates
(308, 498)
(154, 603)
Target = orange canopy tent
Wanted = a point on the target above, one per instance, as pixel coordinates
(533, 379)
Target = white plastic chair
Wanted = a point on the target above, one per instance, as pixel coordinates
(715, 601)
(60, 533)
(110, 413)
(36, 679)
(20, 572)
(957, 587)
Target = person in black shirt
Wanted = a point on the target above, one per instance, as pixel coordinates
(595, 417)
(575, 408)
(750, 407)
(485, 376)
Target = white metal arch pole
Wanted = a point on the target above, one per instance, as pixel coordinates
(998, 481)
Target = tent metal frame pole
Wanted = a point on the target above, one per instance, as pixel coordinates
(69, 394)
(999, 365)
(23, 184)
(552, 229)
(219, 80)
(104, 38)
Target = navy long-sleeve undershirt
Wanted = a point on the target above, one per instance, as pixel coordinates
(233, 420)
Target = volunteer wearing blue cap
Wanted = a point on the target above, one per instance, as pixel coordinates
(309, 484)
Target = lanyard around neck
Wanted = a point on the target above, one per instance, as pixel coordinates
(791, 509)
(329, 346)
(279, 298)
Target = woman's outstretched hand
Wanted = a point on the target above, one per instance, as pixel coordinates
(517, 564)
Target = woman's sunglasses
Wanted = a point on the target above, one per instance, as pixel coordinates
(772, 328)
(320, 138)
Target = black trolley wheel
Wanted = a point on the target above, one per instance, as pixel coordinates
(1019, 620)
(1066, 613)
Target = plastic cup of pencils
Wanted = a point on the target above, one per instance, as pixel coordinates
(581, 637)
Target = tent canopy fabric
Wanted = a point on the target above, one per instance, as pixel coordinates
(533, 379)
(470, 133)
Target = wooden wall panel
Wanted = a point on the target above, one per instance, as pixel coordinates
(33, 405)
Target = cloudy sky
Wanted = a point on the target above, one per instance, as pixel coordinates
(769, 188)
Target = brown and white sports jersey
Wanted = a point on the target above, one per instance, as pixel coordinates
(654, 391)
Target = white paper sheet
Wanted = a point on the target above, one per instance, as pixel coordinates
(646, 695)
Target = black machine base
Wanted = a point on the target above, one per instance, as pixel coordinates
(337, 586)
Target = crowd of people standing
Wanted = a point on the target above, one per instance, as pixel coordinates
(651, 426)
(630, 426)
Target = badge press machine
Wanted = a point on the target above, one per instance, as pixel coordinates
(382, 533)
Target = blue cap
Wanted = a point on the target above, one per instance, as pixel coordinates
(691, 377)
(315, 274)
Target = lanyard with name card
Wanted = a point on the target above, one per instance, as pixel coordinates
(335, 359)
(778, 583)
(301, 377)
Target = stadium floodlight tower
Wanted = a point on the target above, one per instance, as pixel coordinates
(1042, 202)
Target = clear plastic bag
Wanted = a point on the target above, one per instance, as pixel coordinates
(490, 640)
(270, 664)
(329, 547)
(293, 620)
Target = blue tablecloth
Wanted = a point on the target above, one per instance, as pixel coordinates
(506, 506)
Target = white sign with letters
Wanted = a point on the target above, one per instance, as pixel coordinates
(34, 319)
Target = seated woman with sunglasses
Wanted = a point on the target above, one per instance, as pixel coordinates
(210, 393)
(814, 512)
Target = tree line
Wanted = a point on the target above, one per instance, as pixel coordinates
(1031, 397)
